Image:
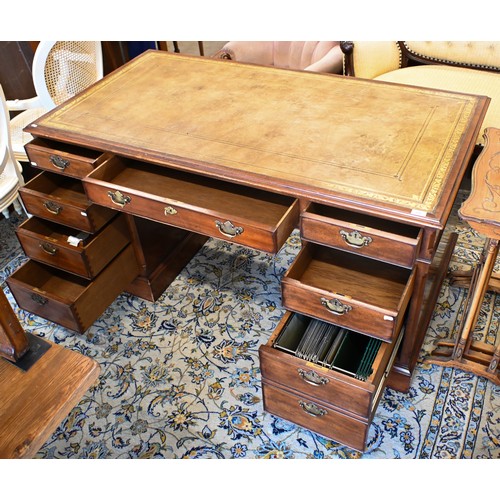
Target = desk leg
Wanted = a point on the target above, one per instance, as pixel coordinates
(428, 282)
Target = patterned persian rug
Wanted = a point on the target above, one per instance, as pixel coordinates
(180, 377)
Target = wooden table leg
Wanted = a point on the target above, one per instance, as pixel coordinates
(13, 340)
(476, 357)
(477, 293)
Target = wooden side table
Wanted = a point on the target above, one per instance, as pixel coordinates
(39, 386)
(481, 211)
(13, 339)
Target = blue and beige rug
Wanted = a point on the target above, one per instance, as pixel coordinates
(180, 377)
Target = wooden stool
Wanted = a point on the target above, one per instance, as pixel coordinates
(481, 211)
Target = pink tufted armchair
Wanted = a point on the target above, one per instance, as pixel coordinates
(322, 57)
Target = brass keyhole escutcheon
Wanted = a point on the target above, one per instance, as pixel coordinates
(170, 210)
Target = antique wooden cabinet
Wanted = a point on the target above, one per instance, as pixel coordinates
(186, 148)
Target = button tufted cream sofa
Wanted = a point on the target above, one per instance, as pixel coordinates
(469, 67)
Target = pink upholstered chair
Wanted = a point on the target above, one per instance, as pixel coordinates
(322, 57)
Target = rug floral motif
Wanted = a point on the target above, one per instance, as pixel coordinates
(180, 377)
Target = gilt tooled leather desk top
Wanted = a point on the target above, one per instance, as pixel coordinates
(376, 146)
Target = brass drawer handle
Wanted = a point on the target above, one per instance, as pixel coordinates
(48, 248)
(335, 306)
(312, 409)
(59, 162)
(52, 207)
(228, 229)
(39, 299)
(311, 377)
(355, 239)
(170, 210)
(118, 198)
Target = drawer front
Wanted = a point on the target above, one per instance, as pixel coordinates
(63, 200)
(316, 381)
(67, 299)
(398, 247)
(47, 242)
(37, 301)
(315, 416)
(327, 384)
(339, 310)
(57, 210)
(348, 290)
(197, 213)
(234, 230)
(61, 158)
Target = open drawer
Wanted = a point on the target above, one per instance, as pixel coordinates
(332, 401)
(70, 300)
(63, 200)
(349, 290)
(244, 215)
(374, 237)
(351, 380)
(62, 158)
(72, 250)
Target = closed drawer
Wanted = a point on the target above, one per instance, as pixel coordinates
(63, 158)
(69, 249)
(63, 200)
(243, 215)
(365, 235)
(349, 372)
(70, 300)
(316, 416)
(349, 290)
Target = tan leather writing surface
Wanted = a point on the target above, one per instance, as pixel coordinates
(380, 142)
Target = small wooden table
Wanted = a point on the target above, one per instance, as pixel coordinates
(482, 212)
(33, 402)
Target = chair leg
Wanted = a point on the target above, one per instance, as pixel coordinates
(18, 207)
(5, 213)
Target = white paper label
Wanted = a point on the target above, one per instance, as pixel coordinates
(418, 212)
(73, 241)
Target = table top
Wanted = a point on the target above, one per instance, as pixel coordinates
(482, 208)
(376, 146)
(35, 401)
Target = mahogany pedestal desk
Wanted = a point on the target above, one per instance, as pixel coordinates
(481, 211)
(368, 171)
